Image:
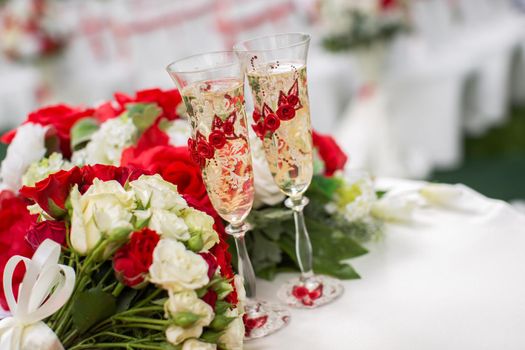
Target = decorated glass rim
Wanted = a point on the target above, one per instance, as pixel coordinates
(203, 62)
(298, 39)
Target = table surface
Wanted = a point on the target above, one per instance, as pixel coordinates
(450, 279)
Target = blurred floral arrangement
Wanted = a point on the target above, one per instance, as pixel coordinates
(362, 23)
(116, 189)
(30, 30)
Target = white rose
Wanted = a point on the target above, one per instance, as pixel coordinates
(179, 131)
(266, 191)
(104, 209)
(194, 344)
(45, 167)
(233, 338)
(200, 222)
(241, 292)
(108, 142)
(27, 147)
(176, 269)
(155, 192)
(188, 301)
(177, 335)
(168, 224)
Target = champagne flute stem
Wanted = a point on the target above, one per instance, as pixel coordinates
(244, 263)
(303, 245)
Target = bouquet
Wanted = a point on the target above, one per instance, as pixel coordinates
(362, 23)
(31, 30)
(142, 267)
(115, 190)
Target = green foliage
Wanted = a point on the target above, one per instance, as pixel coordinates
(143, 114)
(92, 306)
(82, 131)
(271, 243)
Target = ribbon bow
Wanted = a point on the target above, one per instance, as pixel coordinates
(46, 287)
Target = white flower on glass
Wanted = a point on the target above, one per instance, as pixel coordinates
(104, 210)
(233, 338)
(176, 269)
(201, 223)
(45, 167)
(156, 193)
(179, 131)
(266, 191)
(27, 147)
(108, 142)
(194, 344)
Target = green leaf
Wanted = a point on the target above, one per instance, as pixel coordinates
(143, 114)
(323, 188)
(380, 194)
(185, 319)
(82, 131)
(210, 336)
(125, 298)
(266, 253)
(220, 322)
(195, 243)
(222, 306)
(91, 307)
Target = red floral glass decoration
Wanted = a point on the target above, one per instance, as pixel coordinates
(270, 121)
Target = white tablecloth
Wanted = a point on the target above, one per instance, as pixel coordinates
(450, 280)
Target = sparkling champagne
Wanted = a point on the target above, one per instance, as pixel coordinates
(280, 90)
(220, 145)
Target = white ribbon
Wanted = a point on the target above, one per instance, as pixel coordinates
(46, 287)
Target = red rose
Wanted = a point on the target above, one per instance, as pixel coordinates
(132, 261)
(52, 192)
(152, 137)
(271, 122)
(14, 223)
(168, 100)
(39, 232)
(217, 139)
(210, 298)
(175, 165)
(333, 157)
(61, 118)
(122, 175)
(106, 111)
(292, 100)
(212, 263)
(204, 149)
(286, 112)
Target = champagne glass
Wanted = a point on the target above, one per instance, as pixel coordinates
(212, 87)
(276, 70)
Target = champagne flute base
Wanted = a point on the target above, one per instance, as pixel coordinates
(311, 292)
(263, 318)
